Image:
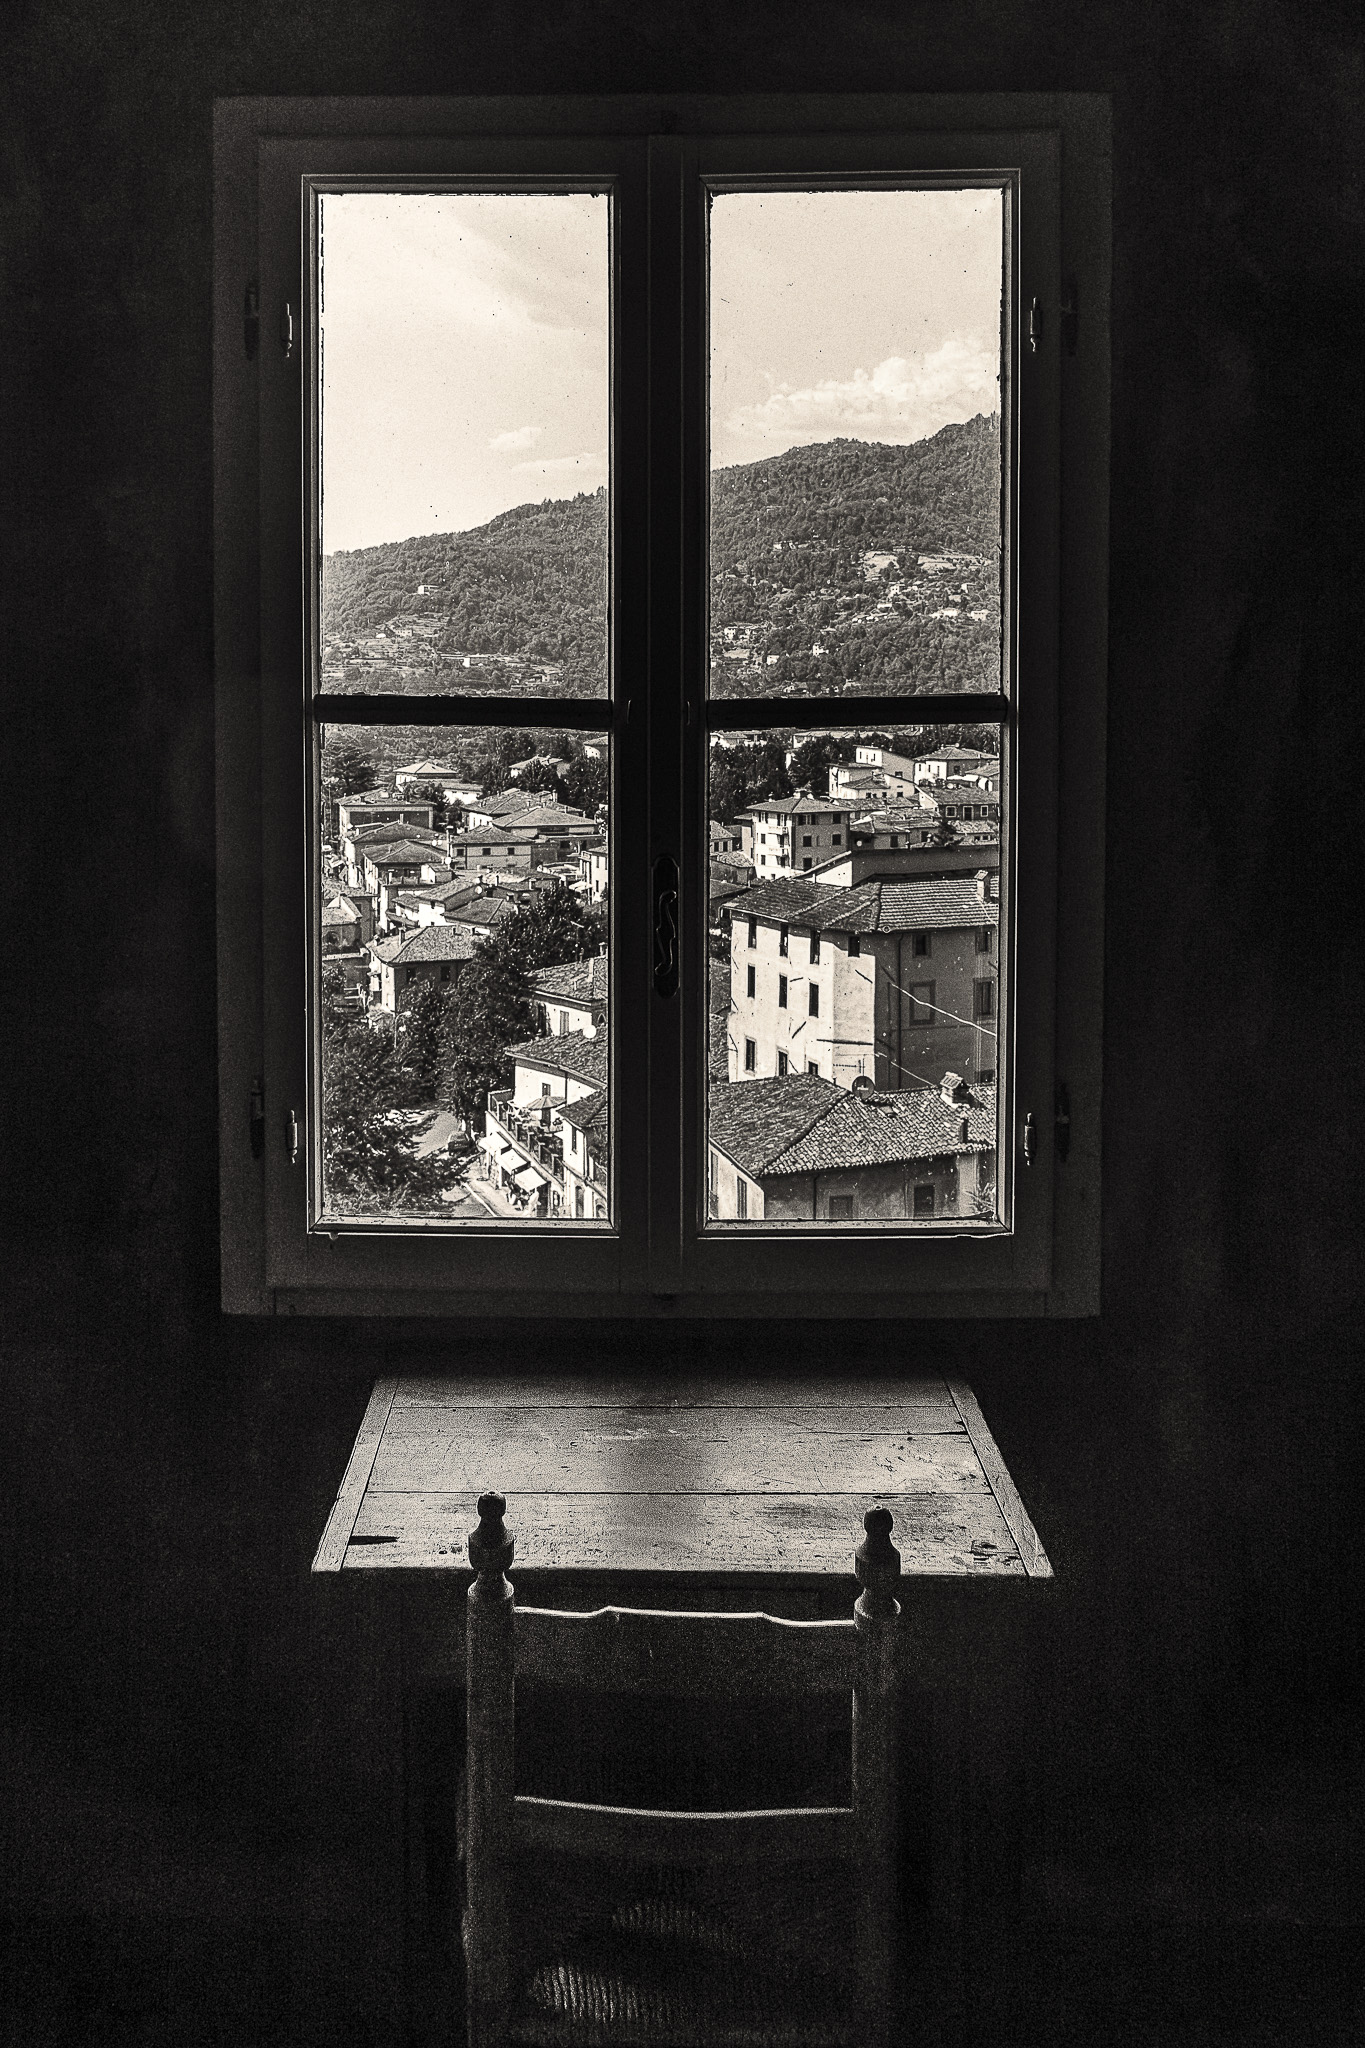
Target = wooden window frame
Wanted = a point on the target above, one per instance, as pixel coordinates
(659, 1257)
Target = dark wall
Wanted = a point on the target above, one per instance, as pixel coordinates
(200, 1809)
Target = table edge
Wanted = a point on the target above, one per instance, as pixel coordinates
(331, 1551)
(1032, 1555)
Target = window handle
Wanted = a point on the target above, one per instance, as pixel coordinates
(1030, 1138)
(665, 926)
(291, 1132)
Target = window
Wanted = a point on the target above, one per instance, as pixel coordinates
(781, 991)
(741, 1197)
(841, 1208)
(922, 947)
(749, 983)
(924, 1198)
(806, 841)
(781, 1063)
(983, 999)
(984, 938)
(815, 949)
(318, 675)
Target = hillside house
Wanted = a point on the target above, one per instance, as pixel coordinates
(573, 998)
(893, 980)
(523, 1136)
(947, 762)
(436, 953)
(594, 869)
(490, 847)
(792, 834)
(801, 1150)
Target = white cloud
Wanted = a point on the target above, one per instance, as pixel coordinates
(517, 437)
(902, 399)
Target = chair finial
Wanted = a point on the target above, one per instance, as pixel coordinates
(492, 1543)
(877, 1562)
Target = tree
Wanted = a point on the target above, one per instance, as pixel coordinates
(346, 769)
(428, 793)
(419, 1038)
(555, 927)
(586, 784)
(368, 1163)
(488, 1010)
(541, 776)
(945, 832)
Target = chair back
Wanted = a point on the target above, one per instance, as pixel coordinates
(690, 1656)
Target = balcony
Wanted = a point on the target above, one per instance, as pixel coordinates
(529, 1131)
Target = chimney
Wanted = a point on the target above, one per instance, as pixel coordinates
(953, 1088)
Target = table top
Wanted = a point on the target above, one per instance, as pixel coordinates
(700, 1478)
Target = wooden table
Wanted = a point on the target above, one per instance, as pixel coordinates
(703, 1480)
(663, 1493)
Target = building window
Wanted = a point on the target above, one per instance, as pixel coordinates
(806, 841)
(855, 945)
(924, 1198)
(837, 840)
(781, 1063)
(841, 1208)
(741, 1196)
(983, 999)
(812, 1066)
(578, 1201)
(781, 991)
(922, 946)
(636, 189)
(815, 999)
(750, 979)
(750, 1056)
(815, 949)
(984, 1173)
(782, 941)
(983, 938)
(920, 995)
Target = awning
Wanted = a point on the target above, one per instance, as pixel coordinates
(530, 1178)
(491, 1145)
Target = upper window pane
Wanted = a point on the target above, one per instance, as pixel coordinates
(855, 442)
(464, 427)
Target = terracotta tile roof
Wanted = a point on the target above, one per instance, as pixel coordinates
(589, 1112)
(886, 1128)
(393, 853)
(436, 942)
(579, 980)
(753, 1122)
(946, 903)
(802, 801)
(571, 1053)
(488, 911)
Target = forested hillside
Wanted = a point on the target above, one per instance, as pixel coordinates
(851, 565)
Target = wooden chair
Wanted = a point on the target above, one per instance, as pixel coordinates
(662, 1968)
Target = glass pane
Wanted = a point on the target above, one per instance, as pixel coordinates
(854, 981)
(462, 966)
(855, 442)
(464, 427)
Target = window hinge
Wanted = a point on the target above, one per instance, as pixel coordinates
(251, 321)
(1035, 326)
(257, 1117)
(1061, 1120)
(291, 1132)
(1030, 1138)
(287, 331)
(1070, 314)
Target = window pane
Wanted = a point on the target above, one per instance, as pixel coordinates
(464, 427)
(854, 1004)
(855, 442)
(463, 991)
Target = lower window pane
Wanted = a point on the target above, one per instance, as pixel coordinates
(463, 976)
(854, 976)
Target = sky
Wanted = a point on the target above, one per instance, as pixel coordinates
(465, 340)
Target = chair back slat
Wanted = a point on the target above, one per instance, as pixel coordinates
(626, 1834)
(684, 1656)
